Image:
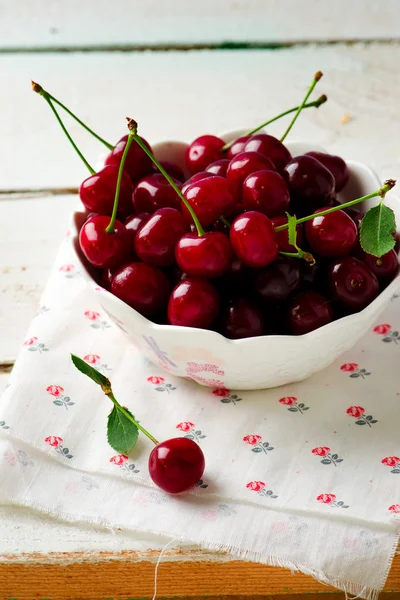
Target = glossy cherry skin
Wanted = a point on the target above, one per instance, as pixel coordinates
(97, 192)
(203, 151)
(155, 242)
(154, 192)
(210, 198)
(282, 237)
(352, 283)
(219, 167)
(385, 267)
(137, 163)
(144, 287)
(267, 192)
(276, 282)
(332, 235)
(241, 318)
(196, 177)
(134, 223)
(172, 169)
(104, 250)
(253, 239)
(237, 146)
(271, 147)
(336, 166)
(310, 184)
(208, 256)
(193, 303)
(242, 165)
(309, 310)
(176, 465)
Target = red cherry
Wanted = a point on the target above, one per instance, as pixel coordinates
(103, 249)
(176, 465)
(335, 165)
(172, 169)
(203, 151)
(253, 239)
(193, 303)
(242, 319)
(219, 167)
(235, 277)
(271, 147)
(135, 222)
(276, 282)
(137, 163)
(310, 184)
(267, 192)
(155, 242)
(210, 198)
(237, 146)
(97, 192)
(352, 283)
(154, 192)
(282, 237)
(334, 234)
(197, 177)
(144, 287)
(243, 165)
(385, 267)
(309, 310)
(208, 256)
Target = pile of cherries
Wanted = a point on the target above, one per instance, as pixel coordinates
(211, 256)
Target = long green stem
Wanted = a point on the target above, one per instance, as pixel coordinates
(110, 226)
(130, 418)
(387, 186)
(317, 77)
(315, 103)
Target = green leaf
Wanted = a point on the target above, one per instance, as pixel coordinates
(326, 461)
(256, 449)
(376, 230)
(334, 456)
(360, 422)
(88, 370)
(122, 434)
(292, 230)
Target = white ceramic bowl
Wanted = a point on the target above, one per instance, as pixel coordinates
(253, 363)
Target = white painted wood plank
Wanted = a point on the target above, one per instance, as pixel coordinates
(154, 22)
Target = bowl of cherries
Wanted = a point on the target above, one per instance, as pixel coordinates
(238, 260)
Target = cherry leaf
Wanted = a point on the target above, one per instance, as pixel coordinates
(376, 230)
(122, 434)
(91, 372)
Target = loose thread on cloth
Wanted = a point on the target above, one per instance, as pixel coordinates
(158, 564)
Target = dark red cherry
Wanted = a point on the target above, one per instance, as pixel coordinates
(103, 249)
(193, 303)
(235, 276)
(336, 166)
(276, 282)
(241, 318)
(309, 310)
(172, 169)
(154, 192)
(197, 177)
(135, 222)
(176, 465)
(210, 198)
(155, 242)
(352, 283)
(267, 192)
(97, 192)
(203, 151)
(237, 146)
(208, 256)
(253, 239)
(385, 267)
(282, 237)
(219, 167)
(271, 147)
(144, 287)
(310, 184)
(334, 234)
(242, 165)
(137, 163)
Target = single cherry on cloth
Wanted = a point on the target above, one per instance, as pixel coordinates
(102, 249)
(134, 223)
(210, 198)
(282, 237)
(219, 167)
(310, 184)
(334, 234)
(137, 163)
(154, 192)
(172, 169)
(253, 239)
(193, 303)
(196, 177)
(241, 318)
(207, 256)
(271, 147)
(176, 465)
(97, 192)
(352, 283)
(144, 287)
(276, 282)
(155, 242)
(243, 165)
(384, 267)
(336, 166)
(237, 146)
(309, 310)
(203, 151)
(267, 192)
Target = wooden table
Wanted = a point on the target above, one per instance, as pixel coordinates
(91, 55)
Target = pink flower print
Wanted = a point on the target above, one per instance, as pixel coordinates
(10, 458)
(31, 341)
(257, 444)
(386, 330)
(155, 380)
(121, 461)
(354, 370)
(33, 345)
(95, 359)
(60, 400)
(382, 329)
(185, 426)
(358, 412)
(392, 461)
(97, 323)
(226, 396)
(161, 385)
(56, 442)
(331, 500)
(329, 459)
(221, 392)
(293, 405)
(259, 487)
(193, 368)
(54, 390)
(395, 508)
(69, 270)
(190, 431)
(92, 315)
(349, 367)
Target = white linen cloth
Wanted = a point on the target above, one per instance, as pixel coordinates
(305, 476)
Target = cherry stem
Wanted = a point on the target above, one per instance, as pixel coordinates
(38, 88)
(315, 80)
(110, 226)
(387, 186)
(130, 418)
(224, 221)
(132, 125)
(315, 103)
